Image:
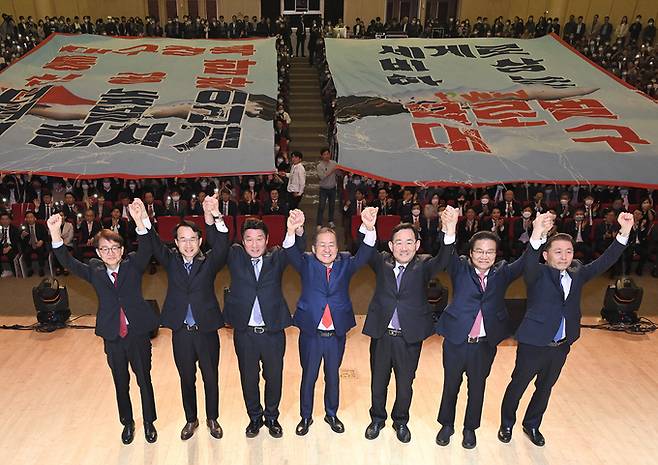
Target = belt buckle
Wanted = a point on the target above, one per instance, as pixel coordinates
(194, 327)
(394, 332)
(327, 333)
(259, 329)
(557, 343)
(473, 340)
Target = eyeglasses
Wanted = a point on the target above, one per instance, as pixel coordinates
(487, 253)
(188, 240)
(113, 249)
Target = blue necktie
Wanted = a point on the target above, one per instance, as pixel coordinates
(189, 318)
(255, 311)
(395, 321)
(560, 330)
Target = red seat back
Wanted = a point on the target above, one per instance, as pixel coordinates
(166, 225)
(276, 226)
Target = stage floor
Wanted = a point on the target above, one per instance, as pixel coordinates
(59, 408)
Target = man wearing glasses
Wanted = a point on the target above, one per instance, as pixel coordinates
(124, 319)
(473, 325)
(191, 309)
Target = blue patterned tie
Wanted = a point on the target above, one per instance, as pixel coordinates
(189, 318)
(255, 311)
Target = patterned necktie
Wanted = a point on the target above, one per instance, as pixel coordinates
(560, 330)
(477, 325)
(327, 321)
(5, 235)
(256, 312)
(395, 320)
(123, 325)
(33, 237)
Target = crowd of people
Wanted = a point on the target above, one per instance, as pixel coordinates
(588, 213)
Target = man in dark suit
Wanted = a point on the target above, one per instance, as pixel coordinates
(117, 224)
(275, 205)
(324, 312)
(124, 319)
(10, 240)
(473, 325)
(259, 314)
(509, 206)
(192, 312)
(35, 240)
(400, 319)
(101, 208)
(580, 230)
(175, 205)
(44, 208)
(70, 208)
(384, 204)
(153, 209)
(227, 207)
(551, 324)
(87, 227)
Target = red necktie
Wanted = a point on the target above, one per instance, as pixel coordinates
(123, 326)
(327, 321)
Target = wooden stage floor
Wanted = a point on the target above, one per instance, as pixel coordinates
(59, 408)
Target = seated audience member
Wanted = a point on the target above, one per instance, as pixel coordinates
(275, 205)
(87, 226)
(248, 205)
(34, 237)
(469, 225)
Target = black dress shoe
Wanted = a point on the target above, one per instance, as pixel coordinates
(253, 427)
(505, 434)
(535, 436)
(215, 430)
(128, 433)
(150, 433)
(373, 429)
(336, 425)
(443, 438)
(274, 427)
(469, 441)
(188, 430)
(303, 426)
(402, 432)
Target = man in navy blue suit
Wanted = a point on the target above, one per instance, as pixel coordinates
(551, 323)
(124, 320)
(324, 312)
(400, 319)
(473, 325)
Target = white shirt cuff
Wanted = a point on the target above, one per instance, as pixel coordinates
(147, 225)
(623, 240)
(536, 244)
(370, 236)
(449, 239)
(57, 244)
(221, 226)
(289, 241)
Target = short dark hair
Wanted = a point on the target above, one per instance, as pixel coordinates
(297, 154)
(254, 223)
(188, 224)
(325, 230)
(403, 226)
(483, 236)
(108, 235)
(324, 149)
(5, 213)
(559, 237)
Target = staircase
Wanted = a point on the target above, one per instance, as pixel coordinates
(308, 131)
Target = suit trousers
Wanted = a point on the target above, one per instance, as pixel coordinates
(252, 350)
(313, 349)
(392, 353)
(475, 360)
(546, 364)
(133, 350)
(190, 347)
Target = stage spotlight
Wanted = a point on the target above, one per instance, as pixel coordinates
(622, 301)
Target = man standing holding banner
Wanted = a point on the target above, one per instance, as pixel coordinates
(324, 311)
(551, 323)
(400, 319)
(124, 319)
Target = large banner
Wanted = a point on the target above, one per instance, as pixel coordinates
(482, 111)
(83, 105)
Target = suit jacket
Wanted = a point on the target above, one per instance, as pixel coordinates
(546, 304)
(86, 234)
(158, 210)
(40, 231)
(127, 294)
(585, 231)
(463, 233)
(104, 213)
(232, 208)
(197, 288)
(468, 298)
(516, 208)
(384, 209)
(252, 208)
(282, 208)
(414, 312)
(70, 212)
(182, 209)
(14, 238)
(317, 292)
(245, 288)
(123, 227)
(42, 214)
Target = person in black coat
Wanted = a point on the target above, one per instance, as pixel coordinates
(192, 312)
(473, 325)
(259, 314)
(551, 324)
(10, 242)
(34, 237)
(400, 319)
(275, 205)
(248, 205)
(124, 319)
